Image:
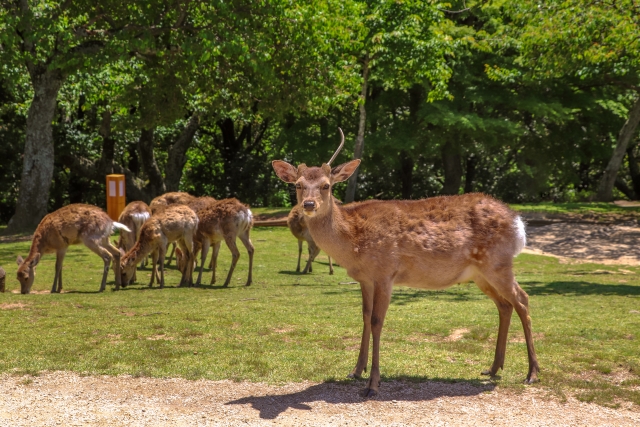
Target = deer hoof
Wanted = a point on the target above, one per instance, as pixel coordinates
(354, 376)
(368, 393)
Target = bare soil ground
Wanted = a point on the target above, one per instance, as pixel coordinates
(60, 398)
(68, 399)
(612, 239)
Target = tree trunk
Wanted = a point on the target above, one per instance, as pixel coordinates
(149, 166)
(634, 171)
(108, 144)
(357, 154)
(406, 174)
(177, 154)
(470, 173)
(605, 188)
(452, 164)
(37, 169)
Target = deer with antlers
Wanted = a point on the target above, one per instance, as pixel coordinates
(220, 220)
(299, 229)
(176, 223)
(430, 244)
(70, 225)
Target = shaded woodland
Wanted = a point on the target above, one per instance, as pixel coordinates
(533, 101)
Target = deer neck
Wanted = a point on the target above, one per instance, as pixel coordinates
(332, 232)
(38, 246)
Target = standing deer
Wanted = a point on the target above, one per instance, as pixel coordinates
(70, 225)
(299, 229)
(430, 244)
(134, 215)
(226, 220)
(176, 223)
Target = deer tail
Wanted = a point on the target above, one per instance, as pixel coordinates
(521, 235)
(120, 226)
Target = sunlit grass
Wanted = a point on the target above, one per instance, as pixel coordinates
(575, 207)
(289, 327)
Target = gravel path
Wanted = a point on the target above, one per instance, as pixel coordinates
(67, 399)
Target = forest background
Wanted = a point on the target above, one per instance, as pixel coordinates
(527, 101)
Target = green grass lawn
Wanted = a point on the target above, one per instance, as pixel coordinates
(289, 327)
(576, 208)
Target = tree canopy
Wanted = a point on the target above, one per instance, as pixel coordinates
(526, 100)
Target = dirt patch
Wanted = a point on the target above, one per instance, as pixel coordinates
(13, 306)
(612, 243)
(61, 398)
(456, 334)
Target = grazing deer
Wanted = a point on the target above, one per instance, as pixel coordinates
(176, 223)
(70, 225)
(133, 216)
(429, 244)
(177, 198)
(299, 229)
(174, 198)
(222, 220)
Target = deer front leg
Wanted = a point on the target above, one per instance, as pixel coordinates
(154, 268)
(299, 255)
(381, 300)
(367, 309)
(330, 266)
(57, 278)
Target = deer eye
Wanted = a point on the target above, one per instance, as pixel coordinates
(298, 186)
(325, 187)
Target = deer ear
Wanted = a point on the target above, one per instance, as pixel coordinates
(19, 260)
(285, 171)
(344, 171)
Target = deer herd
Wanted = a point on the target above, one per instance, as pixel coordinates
(432, 243)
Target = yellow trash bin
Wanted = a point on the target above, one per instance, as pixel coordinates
(116, 199)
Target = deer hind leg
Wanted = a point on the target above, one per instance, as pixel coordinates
(115, 254)
(367, 310)
(246, 241)
(214, 260)
(204, 251)
(97, 248)
(57, 278)
(312, 252)
(185, 280)
(381, 300)
(235, 255)
(173, 250)
(504, 283)
(330, 265)
(299, 255)
(505, 309)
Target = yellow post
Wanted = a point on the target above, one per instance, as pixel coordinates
(115, 196)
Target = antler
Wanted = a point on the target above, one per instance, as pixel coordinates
(338, 150)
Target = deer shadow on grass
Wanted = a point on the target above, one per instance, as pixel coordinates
(408, 389)
(580, 288)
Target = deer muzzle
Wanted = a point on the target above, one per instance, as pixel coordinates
(309, 206)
